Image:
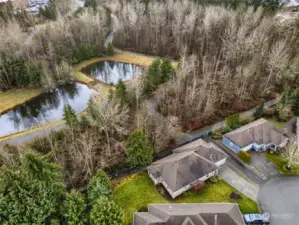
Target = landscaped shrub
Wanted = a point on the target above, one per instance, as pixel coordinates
(233, 121)
(74, 207)
(214, 179)
(244, 156)
(106, 212)
(98, 186)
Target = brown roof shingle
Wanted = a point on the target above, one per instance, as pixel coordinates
(260, 131)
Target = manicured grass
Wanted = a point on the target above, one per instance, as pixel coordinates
(280, 162)
(276, 123)
(11, 98)
(135, 192)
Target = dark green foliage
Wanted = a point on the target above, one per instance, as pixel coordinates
(49, 11)
(245, 156)
(121, 92)
(87, 51)
(79, 53)
(74, 207)
(233, 121)
(110, 49)
(55, 222)
(295, 103)
(139, 149)
(92, 4)
(260, 110)
(106, 212)
(15, 72)
(166, 70)
(30, 191)
(98, 186)
(159, 72)
(69, 115)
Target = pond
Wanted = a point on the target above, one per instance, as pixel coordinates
(111, 72)
(45, 108)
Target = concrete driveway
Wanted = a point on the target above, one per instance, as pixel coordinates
(228, 174)
(280, 197)
(263, 165)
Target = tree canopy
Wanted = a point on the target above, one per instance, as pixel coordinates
(98, 186)
(139, 149)
(30, 191)
(106, 212)
(74, 208)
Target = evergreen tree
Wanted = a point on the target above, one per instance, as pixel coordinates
(295, 103)
(158, 72)
(121, 92)
(139, 149)
(260, 110)
(166, 70)
(106, 212)
(73, 209)
(98, 186)
(69, 115)
(30, 192)
(110, 49)
(153, 76)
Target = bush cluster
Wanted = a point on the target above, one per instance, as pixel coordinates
(245, 156)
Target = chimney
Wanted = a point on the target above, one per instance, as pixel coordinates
(215, 220)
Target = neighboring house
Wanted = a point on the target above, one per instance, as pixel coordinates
(258, 135)
(190, 214)
(188, 165)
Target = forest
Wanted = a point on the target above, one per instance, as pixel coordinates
(229, 57)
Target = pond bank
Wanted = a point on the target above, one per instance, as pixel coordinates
(24, 95)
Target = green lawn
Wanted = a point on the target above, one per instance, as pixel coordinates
(276, 123)
(137, 191)
(280, 163)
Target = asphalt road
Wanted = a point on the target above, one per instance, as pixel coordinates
(280, 197)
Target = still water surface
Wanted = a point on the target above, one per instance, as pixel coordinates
(45, 108)
(111, 72)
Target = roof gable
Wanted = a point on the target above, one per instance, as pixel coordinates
(260, 131)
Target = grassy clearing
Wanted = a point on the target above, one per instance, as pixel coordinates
(11, 98)
(135, 192)
(280, 163)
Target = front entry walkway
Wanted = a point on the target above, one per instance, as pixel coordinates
(246, 187)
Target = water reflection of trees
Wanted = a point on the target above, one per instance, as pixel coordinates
(111, 72)
(38, 110)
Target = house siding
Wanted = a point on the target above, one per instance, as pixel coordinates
(231, 145)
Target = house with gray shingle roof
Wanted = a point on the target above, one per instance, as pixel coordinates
(189, 164)
(190, 214)
(258, 135)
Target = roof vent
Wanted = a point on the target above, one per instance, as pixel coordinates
(215, 220)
